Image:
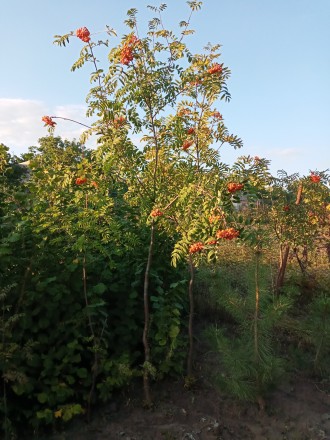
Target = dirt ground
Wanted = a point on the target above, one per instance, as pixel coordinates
(298, 410)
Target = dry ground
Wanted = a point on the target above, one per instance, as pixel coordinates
(295, 411)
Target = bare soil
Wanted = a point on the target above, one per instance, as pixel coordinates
(295, 411)
(298, 409)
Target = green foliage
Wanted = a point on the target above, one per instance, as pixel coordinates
(48, 353)
(239, 374)
(300, 223)
(310, 328)
(248, 361)
(168, 332)
(316, 327)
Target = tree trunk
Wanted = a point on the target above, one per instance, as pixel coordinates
(191, 319)
(145, 340)
(285, 253)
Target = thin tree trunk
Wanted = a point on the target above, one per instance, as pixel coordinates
(256, 310)
(95, 366)
(285, 254)
(282, 269)
(300, 262)
(257, 359)
(191, 319)
(145, 340)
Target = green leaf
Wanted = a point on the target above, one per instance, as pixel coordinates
(14, 237)
(99, 288)
(174, 331)
(82, 373)
(42, 397)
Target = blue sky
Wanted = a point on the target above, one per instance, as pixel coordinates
(278, 52)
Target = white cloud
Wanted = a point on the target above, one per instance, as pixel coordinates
(21, 125)
(289, 153)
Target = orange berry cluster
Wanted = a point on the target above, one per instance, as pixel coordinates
(314, 178)
(156, 213)
(126, 54)
(48, 121)
(81, 180)
(84, 34)
(191, 130)
(216, 68)
(227, 234)
(186, 144)
(217, 115)
(119, 121)
(212, 242)
(196, 247)
(233, 187)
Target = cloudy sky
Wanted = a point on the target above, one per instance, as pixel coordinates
(278, 52)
